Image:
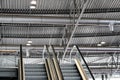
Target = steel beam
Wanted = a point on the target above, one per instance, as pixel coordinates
(30, 25)
(101, 64)
(81, 35)
(100, 50)
(102, 70)
(57, 11)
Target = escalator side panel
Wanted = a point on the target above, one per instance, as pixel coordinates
(47, 70)
(80, 69)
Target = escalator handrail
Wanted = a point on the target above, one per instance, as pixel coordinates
(47, 70)
(19, 70)
(21, 65)
(51, 66)
(56, 63)
(80, 69)
(85, 62)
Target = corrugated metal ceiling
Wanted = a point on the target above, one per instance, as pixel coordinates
(59, 4)
(96, 9)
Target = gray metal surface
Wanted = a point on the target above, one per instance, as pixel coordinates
(35, 72)
(70, 72)
(8, 72)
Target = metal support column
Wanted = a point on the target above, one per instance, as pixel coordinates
(27, 53)
(43, 54)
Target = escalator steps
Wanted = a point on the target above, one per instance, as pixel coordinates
(35, 72)
(70, 72)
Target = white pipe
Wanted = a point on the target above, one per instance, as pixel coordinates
(83, 49)
(18, 19)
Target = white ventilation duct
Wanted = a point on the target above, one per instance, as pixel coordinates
(28, 19)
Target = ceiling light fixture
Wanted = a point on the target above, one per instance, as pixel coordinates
(99, 44)
(29, 41)
(33, 2)
(103, 42)
(32, 7)
(28, 44)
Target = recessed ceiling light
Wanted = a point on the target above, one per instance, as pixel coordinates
(28, 44)
(33, 2)
(74, 46)
(32, 7)
(99, 44)
(29, 41)
(103, 42)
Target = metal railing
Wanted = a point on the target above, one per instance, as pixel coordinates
(51, 65)
(84, 62)
(81, 61)
(34, 60)
(47, 69)
(8, 61)
(57, 66)
(21, 66)
(27, 60)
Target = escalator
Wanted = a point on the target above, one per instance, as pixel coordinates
(35, 72)
(8, 67)
(76, 70)
(70, 72)
(51, 69)
(8, 74)
(67, 71)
